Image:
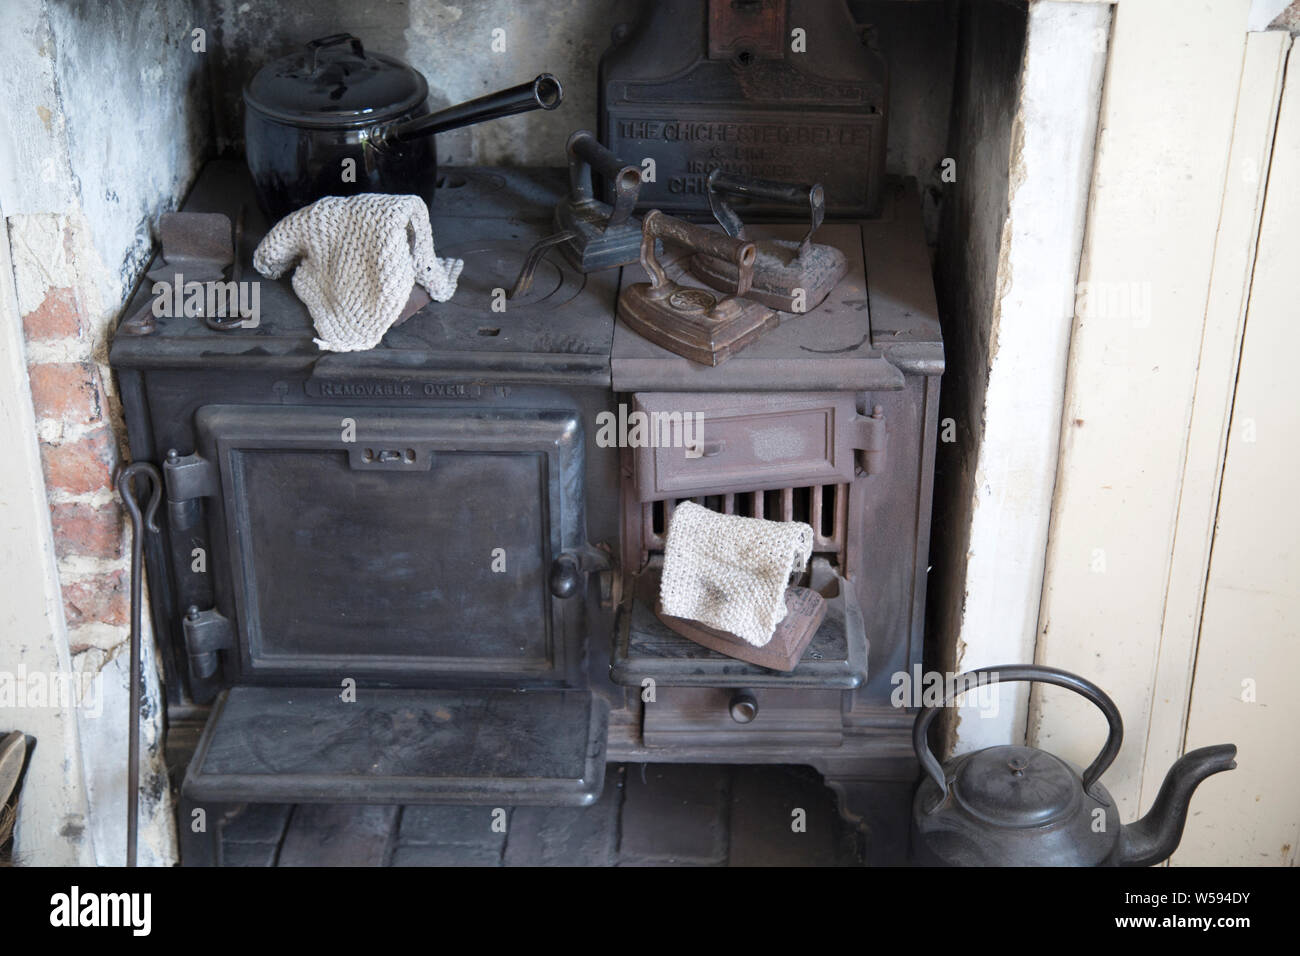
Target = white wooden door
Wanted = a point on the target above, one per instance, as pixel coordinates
(1246, 682)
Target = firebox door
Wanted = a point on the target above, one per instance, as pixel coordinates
(405, 547)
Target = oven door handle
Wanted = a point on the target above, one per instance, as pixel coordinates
(570, 567)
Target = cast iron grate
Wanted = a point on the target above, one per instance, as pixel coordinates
(825, 507)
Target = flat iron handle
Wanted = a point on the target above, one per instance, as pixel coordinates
(657, 225)
(585, 154)
(1033, 673)
(721, 183)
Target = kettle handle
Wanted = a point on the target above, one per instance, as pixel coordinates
(1021, 672)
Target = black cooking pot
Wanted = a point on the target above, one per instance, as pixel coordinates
(306, 115)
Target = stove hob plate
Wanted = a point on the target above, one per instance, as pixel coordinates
(560, 332)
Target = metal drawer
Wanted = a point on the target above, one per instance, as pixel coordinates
(711, 716)
(696, 444)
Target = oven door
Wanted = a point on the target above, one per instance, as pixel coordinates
(402, 547)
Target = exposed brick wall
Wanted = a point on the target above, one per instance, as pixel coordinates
(90, 530)
(67, 302)
(77, 423)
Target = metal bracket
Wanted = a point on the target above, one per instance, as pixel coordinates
(206, 633)
(869, 441)
(188, 478)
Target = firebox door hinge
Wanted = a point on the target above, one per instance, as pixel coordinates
(188, 478)
(869, 436)
(206, 633)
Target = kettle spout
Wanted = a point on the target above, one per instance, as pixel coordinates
(1154, 837)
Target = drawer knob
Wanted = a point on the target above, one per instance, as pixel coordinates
(744, 706)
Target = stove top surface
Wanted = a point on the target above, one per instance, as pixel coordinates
(880, 322)
(487, 217)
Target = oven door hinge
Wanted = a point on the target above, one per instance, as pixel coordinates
(869, 441)
(188, 478)
(206, 633)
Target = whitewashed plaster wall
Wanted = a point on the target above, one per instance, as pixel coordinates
(105, 110)
(1027, 302)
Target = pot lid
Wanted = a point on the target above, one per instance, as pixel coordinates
(1017, 786)
(333, 82)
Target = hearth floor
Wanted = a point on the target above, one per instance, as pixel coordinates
(648, 815)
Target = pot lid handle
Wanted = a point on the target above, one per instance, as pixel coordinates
(334, 39)
(1021, 672)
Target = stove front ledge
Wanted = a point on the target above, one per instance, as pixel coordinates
(399, 746)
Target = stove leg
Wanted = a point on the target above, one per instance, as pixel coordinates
(882, 811)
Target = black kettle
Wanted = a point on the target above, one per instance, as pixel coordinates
(1019, 806)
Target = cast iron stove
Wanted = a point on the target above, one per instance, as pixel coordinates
(413, 575)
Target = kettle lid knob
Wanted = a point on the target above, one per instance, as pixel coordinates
(1013, 786)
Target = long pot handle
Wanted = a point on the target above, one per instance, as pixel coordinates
(543, 92)
(721, 183)
(657, 225)
(1033, 673)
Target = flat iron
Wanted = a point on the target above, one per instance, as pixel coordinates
(789, 276)
(703, 327)
(805, 610)
(591, 234)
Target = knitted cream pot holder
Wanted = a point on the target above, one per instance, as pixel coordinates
(358, 258)
(730, 572)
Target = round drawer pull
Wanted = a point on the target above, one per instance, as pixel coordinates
(744, 706)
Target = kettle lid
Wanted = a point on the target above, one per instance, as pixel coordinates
(1016, 787)
(335, 82)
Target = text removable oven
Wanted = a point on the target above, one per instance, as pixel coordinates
(716, 443)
